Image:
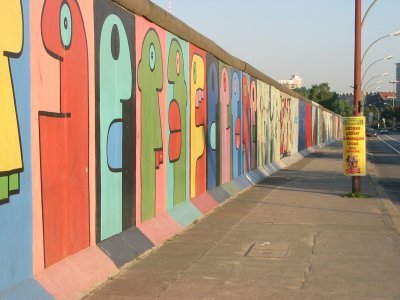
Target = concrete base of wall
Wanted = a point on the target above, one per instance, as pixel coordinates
(75, 275)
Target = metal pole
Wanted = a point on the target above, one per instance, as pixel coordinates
(356, 180)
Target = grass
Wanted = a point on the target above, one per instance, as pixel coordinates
(355, 195)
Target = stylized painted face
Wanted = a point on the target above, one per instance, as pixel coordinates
(151, 62)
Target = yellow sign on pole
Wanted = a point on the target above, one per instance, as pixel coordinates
(354, 146)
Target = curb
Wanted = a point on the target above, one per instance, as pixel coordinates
(390, 208)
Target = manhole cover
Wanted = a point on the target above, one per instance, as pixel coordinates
(268, 250)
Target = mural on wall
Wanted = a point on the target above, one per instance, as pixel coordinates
(236, 125)
(150, 81)
(11, 44)
(178, 121)
(274, 125)
(286, 125)
(198, 122)
(253, 123)
(115, 118)
(64, 135)
(224, 114)
(212, 120)
(263, 105)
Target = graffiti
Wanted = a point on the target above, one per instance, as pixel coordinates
(198, 123)
(263, 104)
(11, 43)
(150, 83)
(114, 119)
(295, 126)
(236, 138)
(64, 135)
(212, 120)
(224, 138)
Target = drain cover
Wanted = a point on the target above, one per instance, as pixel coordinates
(268, 250)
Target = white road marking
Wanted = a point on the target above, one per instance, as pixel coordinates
(390, 146)
(392, 139)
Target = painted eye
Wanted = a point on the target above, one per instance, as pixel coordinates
(66, 25)
(152, 57)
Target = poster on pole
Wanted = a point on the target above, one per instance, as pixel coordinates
(354, 146)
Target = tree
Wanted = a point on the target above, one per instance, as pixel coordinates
(303, 91)
(342, 108)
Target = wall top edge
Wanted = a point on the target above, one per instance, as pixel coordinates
(164, 19)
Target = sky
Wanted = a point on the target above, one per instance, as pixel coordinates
(311, 38)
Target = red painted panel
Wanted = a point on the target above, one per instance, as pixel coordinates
(64, 135)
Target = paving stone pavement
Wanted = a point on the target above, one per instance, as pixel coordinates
(293, 236)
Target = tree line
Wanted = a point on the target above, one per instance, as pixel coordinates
(322, 94)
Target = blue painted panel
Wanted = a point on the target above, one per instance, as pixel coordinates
(212, 102)
(16, 214)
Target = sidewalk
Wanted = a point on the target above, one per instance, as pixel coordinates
(291, 237)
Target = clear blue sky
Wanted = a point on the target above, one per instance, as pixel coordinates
(313, 38)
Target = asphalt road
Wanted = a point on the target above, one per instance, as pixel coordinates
(384, 153)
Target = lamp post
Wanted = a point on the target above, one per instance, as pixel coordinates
(356, 180)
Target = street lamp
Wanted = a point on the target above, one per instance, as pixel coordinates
(373, 63)
(377, 110)
(396, 33)
(371, 85)
(372, 78)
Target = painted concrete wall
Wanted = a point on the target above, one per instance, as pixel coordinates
(116, 134)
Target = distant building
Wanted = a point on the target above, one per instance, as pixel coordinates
(292, 83)
(380, 99)
(348, 97)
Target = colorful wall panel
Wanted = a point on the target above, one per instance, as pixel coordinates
(263, 135)
(224, 131)
(213, 160)
(274, 125)
(178, 102)
(198, 122)
(237, 123)
(151, 140)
